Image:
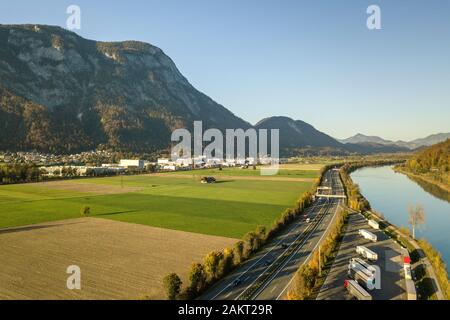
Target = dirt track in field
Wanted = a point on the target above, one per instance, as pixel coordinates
(305, 166)
(100, 189)
(231, 178)
(118, 260)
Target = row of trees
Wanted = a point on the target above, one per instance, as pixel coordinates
(434, 162)
(436, 157)
(438, 265)
(215, 265)
(24, 173)
(19, 173)
(219, 263)
(354, 198)
(308, 276)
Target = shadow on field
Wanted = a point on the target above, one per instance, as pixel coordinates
(37, 227)
(114, 213)
(223, 181)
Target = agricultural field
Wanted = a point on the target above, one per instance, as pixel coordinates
(230, 208)
(117, 260)
(139, 229)
(300, 172)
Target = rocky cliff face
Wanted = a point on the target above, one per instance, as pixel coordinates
(62, 93)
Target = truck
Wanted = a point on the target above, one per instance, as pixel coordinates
(368, 235)
(411, 292)
(363, 276)
(407, 270)
(374, 224)
(356, 290)
(364, 264)
(366, 253)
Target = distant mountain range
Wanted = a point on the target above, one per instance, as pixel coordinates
(62, 93)
(361, 139)
(296, 135)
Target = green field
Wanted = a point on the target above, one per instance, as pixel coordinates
(238, 172)
(227, 208)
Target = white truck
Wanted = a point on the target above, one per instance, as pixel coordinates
(374, 224)
(368, 235)
(356, 290)
(360, 274)
(366, 253)
(407, 270)
(411, 292)
(364, 264)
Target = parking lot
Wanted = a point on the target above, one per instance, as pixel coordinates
(390, 262)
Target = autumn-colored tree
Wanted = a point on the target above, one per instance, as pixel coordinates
(197, 277)
(238, 252)
(85, 211)
(416, 218)
(172, 284)
(227, 263)
(304, 282)
(211, 263)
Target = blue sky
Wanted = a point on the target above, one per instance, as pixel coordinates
(310, 60)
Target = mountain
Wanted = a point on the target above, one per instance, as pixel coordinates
(360, 139)
(62, 93)
(296, 135)
(430, 140)
(372, 148)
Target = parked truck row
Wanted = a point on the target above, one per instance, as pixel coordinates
(363, 276)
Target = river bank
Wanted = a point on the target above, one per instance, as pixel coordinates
(390, 193)
(414, 177)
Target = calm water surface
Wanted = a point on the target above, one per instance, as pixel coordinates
(391, 193)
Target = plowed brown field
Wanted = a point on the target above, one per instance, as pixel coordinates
(118, 260)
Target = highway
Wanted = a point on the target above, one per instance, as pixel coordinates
(269, 273)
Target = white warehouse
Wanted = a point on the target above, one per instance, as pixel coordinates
(132, 163)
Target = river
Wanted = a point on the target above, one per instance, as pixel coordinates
(391, 193)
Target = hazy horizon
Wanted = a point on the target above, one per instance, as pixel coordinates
(314, 61)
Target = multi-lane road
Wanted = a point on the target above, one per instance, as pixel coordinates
(269, 273)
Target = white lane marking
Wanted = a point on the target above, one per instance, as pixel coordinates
(297, 224)
(307, 258)
(287, 249)
(229, 294)
(273, 289)
(288, 260)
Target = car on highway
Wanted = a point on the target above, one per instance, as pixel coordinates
(308, 220)
(267, 262)
(237, 282)
(284, 245)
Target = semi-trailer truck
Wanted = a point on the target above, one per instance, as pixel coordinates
(366, 253)
(411, 293)
(364, 264)
(368, 235)
(362, 275)
(374, 224)
(356, 290)
(407, 271)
